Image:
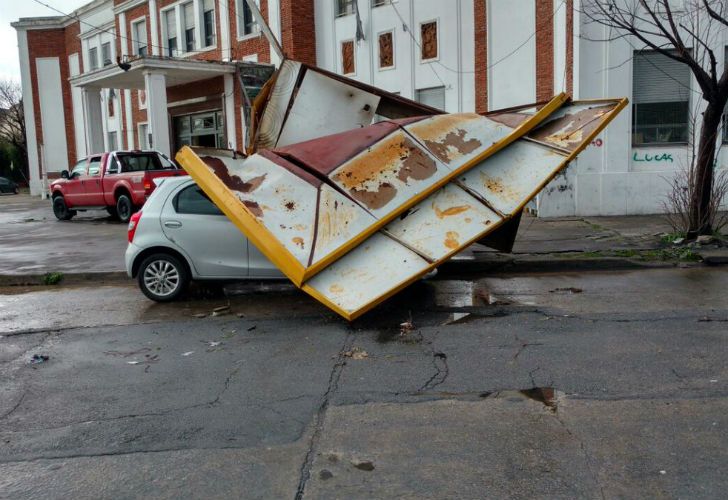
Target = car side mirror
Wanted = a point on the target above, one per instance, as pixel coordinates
(64, 174)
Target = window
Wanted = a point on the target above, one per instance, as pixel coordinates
(660, 97)
(192, 200)
(170, 23)
(344, 7)
(106, 53)
(386, 50)
(379, 3)
(246, 22)
(139, 33)
(139, 162)
(348, 64)
(434, 97)
(113, 166)
(188, 18)
(79, 168)
(94, 165)
(428, 41)
(143, 136)
(93, 58)
(113, 141)
(208, 22)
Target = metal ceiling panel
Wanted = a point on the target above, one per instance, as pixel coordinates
(353, 218)
(324, 107)
(274, 114)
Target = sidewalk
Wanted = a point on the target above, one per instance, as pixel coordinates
(91, 246)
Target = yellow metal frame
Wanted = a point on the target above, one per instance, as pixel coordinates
(298, 274)
(350, 316)
(517, 133)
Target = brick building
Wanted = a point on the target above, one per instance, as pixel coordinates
(457, 55)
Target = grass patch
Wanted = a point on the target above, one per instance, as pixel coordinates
(663, 254)
(628, 253)
(52, 278)
(670, 237)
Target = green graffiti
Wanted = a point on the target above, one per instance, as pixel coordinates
(649, 158)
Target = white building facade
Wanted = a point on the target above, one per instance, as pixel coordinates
(457, 55)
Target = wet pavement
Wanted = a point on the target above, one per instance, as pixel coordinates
(588, 385)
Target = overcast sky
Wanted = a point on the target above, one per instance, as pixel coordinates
(12, 10)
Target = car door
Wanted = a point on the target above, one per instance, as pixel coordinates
(259, 266)
(73, 189)
(94, 194)
(214, 246)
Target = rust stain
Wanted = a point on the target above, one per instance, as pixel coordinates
(451, 240)
(441, 214)
(370, 177)
(416, 164)
(453, 145)
(468, 220)
(290, 206)
(233, 182)
(335, 289)
(512, 120)
(568, 131)
(298, 241)
(253, 207)
(496, 185)
(375, 199)
(334, 224)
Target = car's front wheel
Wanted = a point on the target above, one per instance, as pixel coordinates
(162, 277)
(124, 208)
(60, 209)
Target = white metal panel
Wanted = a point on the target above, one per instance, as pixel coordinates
(281, 201)
(324, 106)
(389, 173)
(443, 223)
(53, 121)
(455, 139)
(275, 110)
(507, 179)
(339, 220)
(367, 272)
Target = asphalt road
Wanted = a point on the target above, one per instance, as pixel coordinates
(602, 385)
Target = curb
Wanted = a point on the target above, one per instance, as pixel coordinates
(97, 278)
(496, 264)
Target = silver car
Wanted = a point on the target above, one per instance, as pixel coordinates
(180, 235)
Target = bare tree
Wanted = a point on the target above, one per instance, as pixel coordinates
(685, 31)
(12, 120)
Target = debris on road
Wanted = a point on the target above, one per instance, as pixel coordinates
(252, 328)
(188, 353)
(355, 353)
(127, 354)
(200, 315)
(406, 327)
(567, 290)
(352, 210)
(38, 358)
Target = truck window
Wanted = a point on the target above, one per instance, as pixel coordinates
(79, 168)
(94, 166)
(138, 162)
(113, 166)
(192, 200)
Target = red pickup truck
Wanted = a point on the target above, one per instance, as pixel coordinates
(119, 181)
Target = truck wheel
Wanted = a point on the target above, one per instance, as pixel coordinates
(162, 277)
(124, 208)
(112, 212)
(60, 209)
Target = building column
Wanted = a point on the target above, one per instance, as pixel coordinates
(224, 42)
(229, 103)
(93, 120)
(155, 84)
(154, 28)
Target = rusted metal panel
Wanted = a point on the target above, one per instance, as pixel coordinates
(324, 107)
(443, 223)
(354, 217)
(365, 274)
(275, 110)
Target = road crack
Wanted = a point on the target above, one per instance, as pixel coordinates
(333, 384)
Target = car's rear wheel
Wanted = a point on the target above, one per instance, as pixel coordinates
(162, 277)
(60, 209)
(124, 208)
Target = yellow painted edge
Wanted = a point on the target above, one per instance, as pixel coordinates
(241, 216)
(516, 134)
(352, 315)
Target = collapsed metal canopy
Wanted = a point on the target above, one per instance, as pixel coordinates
(353, 211)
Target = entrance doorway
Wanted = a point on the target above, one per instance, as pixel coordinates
(200, 129)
